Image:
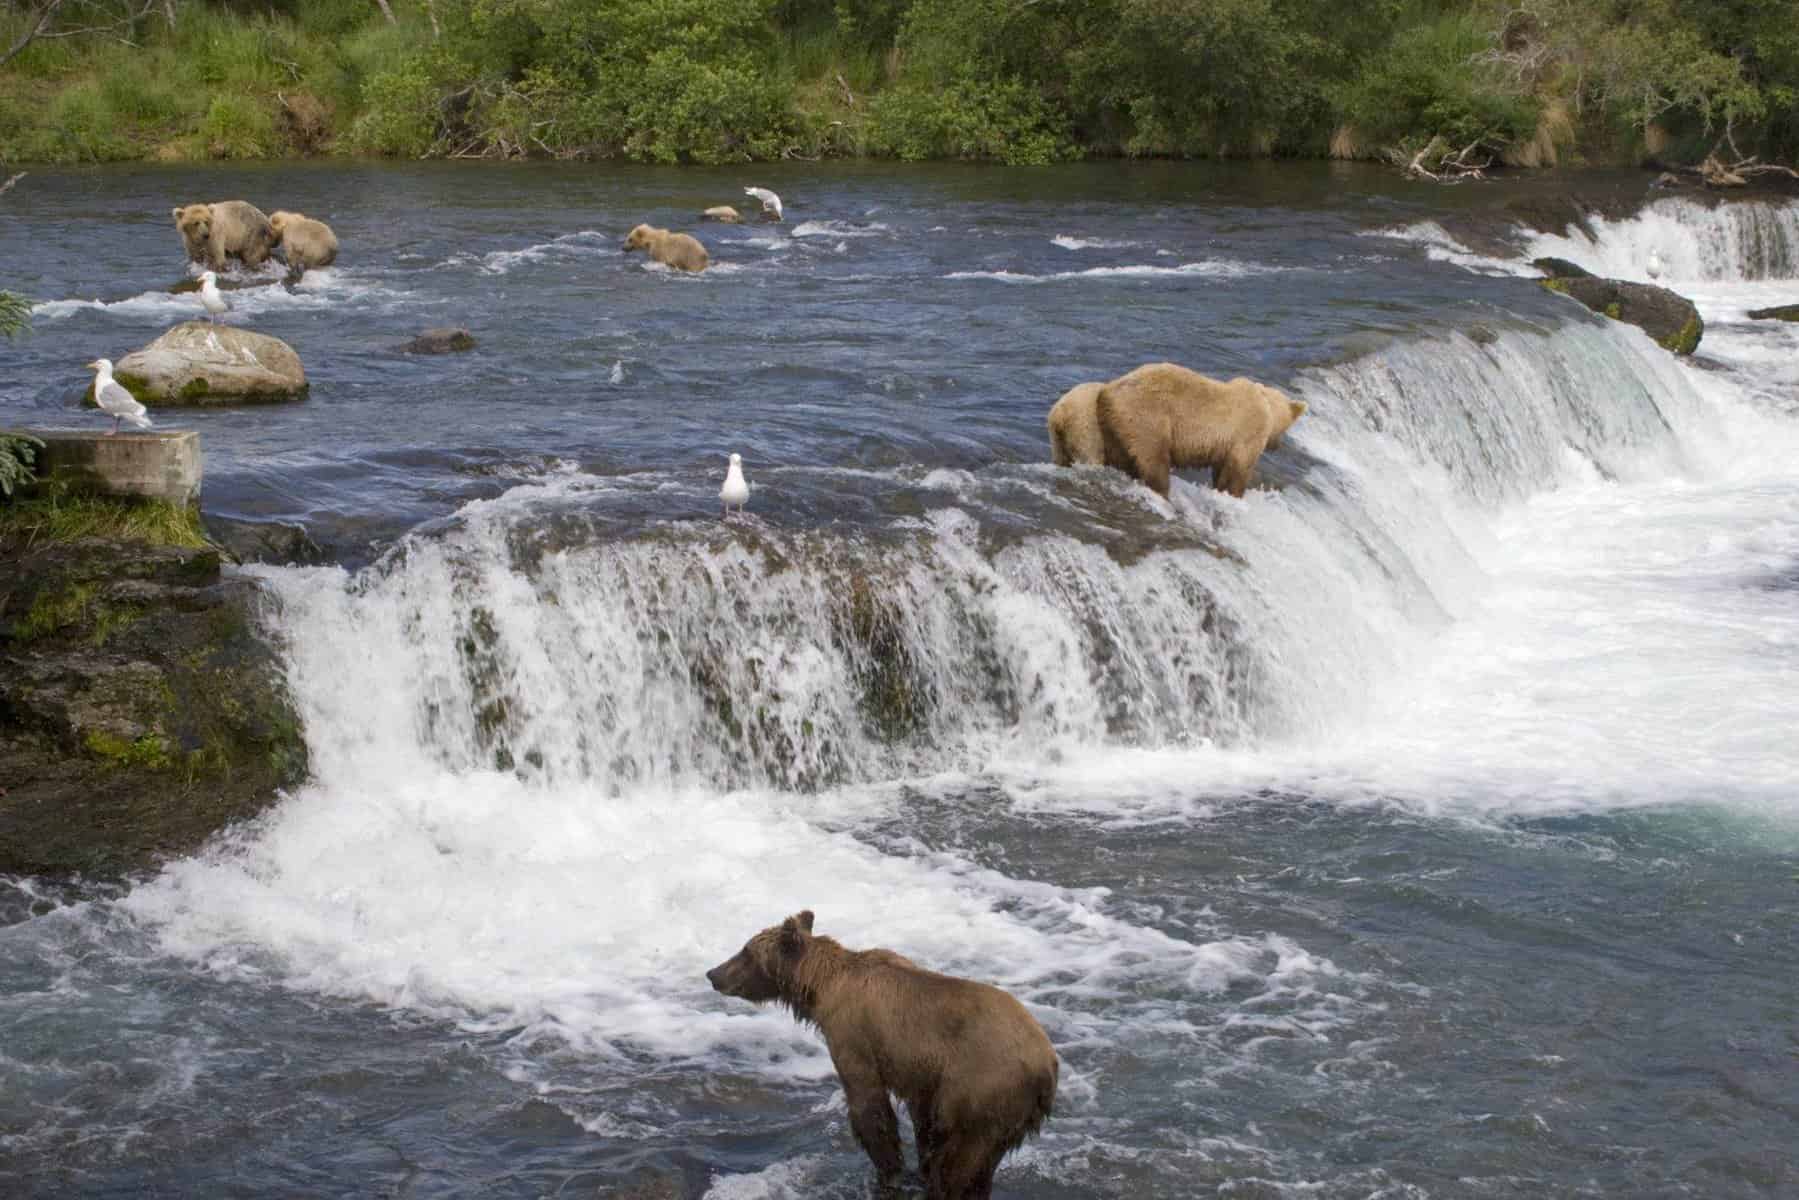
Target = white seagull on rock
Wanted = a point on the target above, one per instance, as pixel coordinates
(737, 488)
(114, 400)
(210, 297)
(771, 203)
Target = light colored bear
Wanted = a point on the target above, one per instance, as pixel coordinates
(1074, 427)
(211, 233)
(677, 250)
(722, 212)
(1162, 416)
(305, 243)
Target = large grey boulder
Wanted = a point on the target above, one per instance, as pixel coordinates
(1668, 317)
(1780, 312)
(200, 363)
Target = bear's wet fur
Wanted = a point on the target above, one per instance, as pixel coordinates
(1074, 437)
(974, 1069)
(678, 250)
(305, 243)
(213, 233)
(1162, 416)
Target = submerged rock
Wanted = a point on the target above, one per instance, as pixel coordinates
(201, 363)
(140, 709)
(1668, 317)
(1560, 268)
(1780, 312)
(440, 341)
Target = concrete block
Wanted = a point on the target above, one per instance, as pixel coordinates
(152, 465)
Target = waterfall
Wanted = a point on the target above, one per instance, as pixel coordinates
(694, 654)
(1742, 240)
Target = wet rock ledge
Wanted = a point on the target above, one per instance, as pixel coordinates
(141, 710)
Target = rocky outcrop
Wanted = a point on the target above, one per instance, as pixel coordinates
(1668, 317)
(440, 341)
(1561, 268)
(201, 363)
(140, 709)
(1781, 312)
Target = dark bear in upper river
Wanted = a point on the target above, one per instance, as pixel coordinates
(976, 1072)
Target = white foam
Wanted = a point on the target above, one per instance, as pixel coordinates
(586, 243)
(1440, 246)
(1211, 269)
(1068, 242)
(1732, 242)
(839, 229)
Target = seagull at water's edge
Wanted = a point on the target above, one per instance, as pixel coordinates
(114, 400)
(210, 297)
(737, 488)
(771, 203)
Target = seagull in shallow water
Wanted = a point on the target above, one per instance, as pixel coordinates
(737, 488)
(771, 203)
(114, 400)
(210, 297)
(1654, 265)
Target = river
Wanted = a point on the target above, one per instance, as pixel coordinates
(1424, 824)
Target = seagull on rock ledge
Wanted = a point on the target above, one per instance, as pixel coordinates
(114, 400)
(210, 297)
(737, 488)
(771, 203)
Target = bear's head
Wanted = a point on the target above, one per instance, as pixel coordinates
(278, 223)
(764, 969)
(195, 223)
(1282, 411)
(641, 238)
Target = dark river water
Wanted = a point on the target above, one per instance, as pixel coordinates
(1424, 824)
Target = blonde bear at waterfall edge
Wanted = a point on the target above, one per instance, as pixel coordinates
(304, 242)
(1163, 416)
(678, 250)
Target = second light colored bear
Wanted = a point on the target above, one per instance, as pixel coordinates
(678, 250)
(1162, 416)
(1074, 437)
(304, 242)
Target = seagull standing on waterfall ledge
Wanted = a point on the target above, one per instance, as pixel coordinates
(771, 203)
(737, 488)
(210, 297)
(114, 400)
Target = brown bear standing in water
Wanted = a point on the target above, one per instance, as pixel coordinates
(677, 250)
(1074, 438)
(1162, 416)
(976, 1072)
(305, 243)
(212, 233)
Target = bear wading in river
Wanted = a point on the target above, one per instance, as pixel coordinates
(974, 1069)
(678, 250)
(304, 242)
(1162, 416)
(212, 233)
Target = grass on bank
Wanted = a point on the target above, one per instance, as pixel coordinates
(29, 521)
(735, 80)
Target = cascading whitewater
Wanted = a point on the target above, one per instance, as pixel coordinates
(1740, 240)
(725, 656)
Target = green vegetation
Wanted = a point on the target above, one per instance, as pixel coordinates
(18, 460)
(66, 518)
(1019, 81)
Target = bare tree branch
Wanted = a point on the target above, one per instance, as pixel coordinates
(7, 186)
(132, 12)
(387, 11)
(33, 30)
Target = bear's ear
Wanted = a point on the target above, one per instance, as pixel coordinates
(177, 211)
(794, 931)
(804, 917)
(1299, 408)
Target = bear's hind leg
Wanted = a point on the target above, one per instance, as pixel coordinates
(965, 1168)
(1233, 474)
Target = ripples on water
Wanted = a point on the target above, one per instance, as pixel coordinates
(1423, 826)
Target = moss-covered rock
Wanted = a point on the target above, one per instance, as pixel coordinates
(1668, 317)
(141, 710)
(1780, 312)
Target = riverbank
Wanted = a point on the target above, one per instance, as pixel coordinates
(768, 80)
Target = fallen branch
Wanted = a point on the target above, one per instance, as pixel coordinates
(7, 186)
